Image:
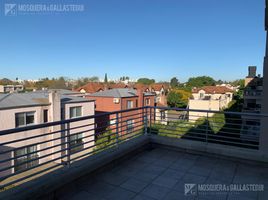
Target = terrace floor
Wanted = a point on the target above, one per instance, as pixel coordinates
(161, 174)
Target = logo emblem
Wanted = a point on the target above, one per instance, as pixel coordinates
(10, 9)
(190, 189)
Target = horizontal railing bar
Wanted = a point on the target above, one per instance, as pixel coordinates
(45, 125)
(209, 111)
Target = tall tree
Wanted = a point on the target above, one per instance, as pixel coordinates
(175, 99)
(105, 78)
(200, 81)
(174, 82)
(146, 81)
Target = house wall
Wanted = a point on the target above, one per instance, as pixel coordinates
(202, 105)
(88, 125)
(7, 121)
(106, 104)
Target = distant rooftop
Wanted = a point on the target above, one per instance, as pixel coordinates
(37, 98)
(119, 93)
(213, 89)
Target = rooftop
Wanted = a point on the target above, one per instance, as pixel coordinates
(213, 89)
(119, 93)
(14, 100)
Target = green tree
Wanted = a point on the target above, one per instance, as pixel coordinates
(200, 81)
(174, 82)
(175, 99)
(146, 81)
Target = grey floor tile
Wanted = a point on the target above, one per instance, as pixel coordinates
(113, 178)
(177, 174)
(155, 191)
(134, 185)
(200, 170)
(162, 163)
(120, 194)
(83, 195)
(165, 181)
(99, 188)
(142, 197)
(175, 195)
(179, 187)
(193, 178)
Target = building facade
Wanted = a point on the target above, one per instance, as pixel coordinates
(252, 103)
(121, 99)
(214, 98)
(11, 88)
(21, 110)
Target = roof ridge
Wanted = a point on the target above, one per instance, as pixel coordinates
(5, 97)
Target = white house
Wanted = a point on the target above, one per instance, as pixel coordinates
(24, 109)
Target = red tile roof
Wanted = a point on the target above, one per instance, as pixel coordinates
(92, 87)
(213, 89)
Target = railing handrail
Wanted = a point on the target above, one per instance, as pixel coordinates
(62, 122)
(210, 111)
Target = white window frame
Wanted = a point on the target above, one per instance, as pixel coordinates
(131, 102)
(76, 114)
(130, 126)
(30, 113)
(26, 157)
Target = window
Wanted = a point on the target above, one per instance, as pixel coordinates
(162, 115)
(75, 112)
(137, 103)
(45, 116)
(130, 126)
(202, 95)
(76, 142)
(24, 119)
(147, 101)
(129, 104)
(22, 152)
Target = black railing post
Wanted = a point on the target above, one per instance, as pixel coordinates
(145, 121)
(207, 124)
(117, 129)
(68, 143)
(150, 120)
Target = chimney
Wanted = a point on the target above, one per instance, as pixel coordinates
(140, 97)
(252, 71)
(55, 105)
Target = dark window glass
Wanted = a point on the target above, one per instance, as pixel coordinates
(45, 116)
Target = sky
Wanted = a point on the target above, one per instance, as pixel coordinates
(158, 39)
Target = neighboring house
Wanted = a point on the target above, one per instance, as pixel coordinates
(213, 98)
(231, 87)
(24, 109)
(93, 87)
(252, 103)
(11, 88)
(121, 99)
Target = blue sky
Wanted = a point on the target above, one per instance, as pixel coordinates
(158, 39)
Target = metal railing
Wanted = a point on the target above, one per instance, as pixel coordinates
(31, 151)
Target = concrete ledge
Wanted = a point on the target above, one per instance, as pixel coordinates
(45, 186)
(213, 149)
